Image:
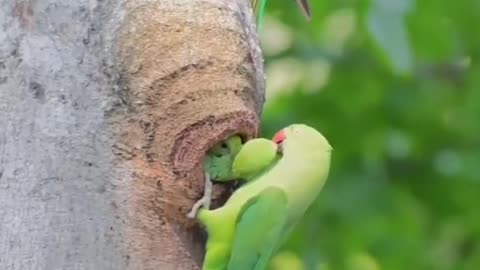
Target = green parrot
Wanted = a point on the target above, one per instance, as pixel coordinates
(283, 176)
(259, 8)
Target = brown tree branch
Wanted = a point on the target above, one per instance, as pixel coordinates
(121, 100)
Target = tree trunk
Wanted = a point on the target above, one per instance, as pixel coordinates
(107, 108)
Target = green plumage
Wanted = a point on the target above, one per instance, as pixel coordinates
(246, 167)
(256, 219)
(220, 158)
(254, 241)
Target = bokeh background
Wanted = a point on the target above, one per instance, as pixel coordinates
(394, 85)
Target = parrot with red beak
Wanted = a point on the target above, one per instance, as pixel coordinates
(282, 178)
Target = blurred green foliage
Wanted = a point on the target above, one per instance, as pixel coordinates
(394, 85)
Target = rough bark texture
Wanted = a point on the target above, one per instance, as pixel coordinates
(106, 111)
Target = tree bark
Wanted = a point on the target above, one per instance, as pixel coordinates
(107, 108)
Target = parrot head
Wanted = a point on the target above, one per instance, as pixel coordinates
(300, 137)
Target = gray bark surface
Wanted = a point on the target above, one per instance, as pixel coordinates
(107, 108)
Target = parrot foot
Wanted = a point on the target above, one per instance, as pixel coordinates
(205, 200)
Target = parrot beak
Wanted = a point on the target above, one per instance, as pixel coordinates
(278, 139)
(280, 149)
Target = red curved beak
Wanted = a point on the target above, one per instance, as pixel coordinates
(279, 137)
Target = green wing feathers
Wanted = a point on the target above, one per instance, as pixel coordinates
(259, 226)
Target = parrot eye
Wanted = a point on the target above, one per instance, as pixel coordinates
(279, 137)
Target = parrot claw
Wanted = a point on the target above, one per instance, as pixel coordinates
(205, 200)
